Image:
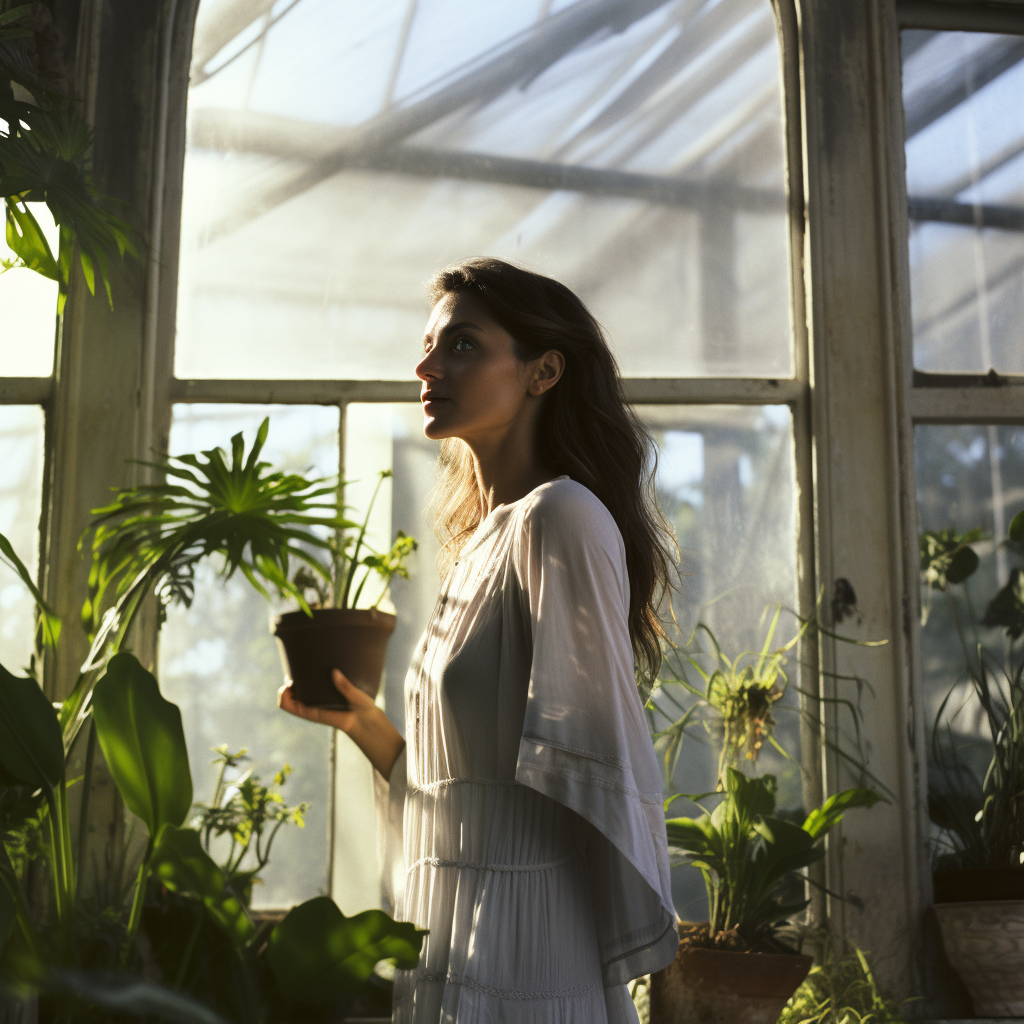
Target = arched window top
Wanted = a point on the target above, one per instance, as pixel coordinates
(339, 154)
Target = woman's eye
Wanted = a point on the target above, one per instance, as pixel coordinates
(462, 345)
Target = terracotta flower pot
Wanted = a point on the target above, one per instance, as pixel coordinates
(984, 942)
(713, 986)
(355, 641)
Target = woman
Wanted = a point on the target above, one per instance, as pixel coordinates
(528, 799)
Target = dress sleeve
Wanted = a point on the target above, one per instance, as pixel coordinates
(389, 806)
(585, 739)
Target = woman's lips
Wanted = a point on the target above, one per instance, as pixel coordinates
(431, 400)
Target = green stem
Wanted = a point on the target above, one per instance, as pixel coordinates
(354, 561)
(135, 917)
(57, 863)
(83, 810)
(189, 948)
(67, 849)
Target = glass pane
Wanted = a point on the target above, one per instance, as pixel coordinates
(220, 664)
(965, 182)
(726, 484)
(28, 311)
(381, 437)
(968, 477)
(338, 155)
(21, 488)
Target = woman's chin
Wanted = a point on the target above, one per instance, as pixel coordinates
(434, 429)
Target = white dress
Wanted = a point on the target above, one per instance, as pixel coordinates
(528, 801)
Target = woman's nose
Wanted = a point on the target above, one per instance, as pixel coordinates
(429, 367)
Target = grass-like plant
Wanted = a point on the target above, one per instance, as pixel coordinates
(735, 699)
(841, 989)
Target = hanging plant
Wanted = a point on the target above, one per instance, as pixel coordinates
(45, 152)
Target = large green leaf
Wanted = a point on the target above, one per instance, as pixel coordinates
(180, 862)
(1007, 607)
(31, 748)
(831, 812)
(26, 240)
(317, 955)
(128, 994)
(141, 737)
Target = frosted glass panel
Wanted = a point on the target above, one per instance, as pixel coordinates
(28, 311)
(339, 154)
(965, 182)
(21, 484)
(219, 662)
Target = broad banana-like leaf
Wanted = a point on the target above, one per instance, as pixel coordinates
(831, 812)
(31, 748)
(141, 737)
(180, 862)
(317, 955)
(128, 994)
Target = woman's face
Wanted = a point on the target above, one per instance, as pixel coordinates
(473, 384)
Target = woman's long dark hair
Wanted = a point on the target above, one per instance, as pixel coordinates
(586, 430)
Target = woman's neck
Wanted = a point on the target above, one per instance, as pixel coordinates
(506, 468)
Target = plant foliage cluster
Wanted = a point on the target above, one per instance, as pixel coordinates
(841, 989)
(172, 935)
(752, 859)
(44, 158)
(980, 815)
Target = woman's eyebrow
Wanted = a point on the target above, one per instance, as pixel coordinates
(459, 326)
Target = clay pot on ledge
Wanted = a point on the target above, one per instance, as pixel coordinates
(981, 917)
(715, 986)
(353, 640)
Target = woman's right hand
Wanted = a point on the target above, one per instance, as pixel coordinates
(367, 725)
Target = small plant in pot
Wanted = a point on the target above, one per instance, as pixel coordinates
(740, 965)
(976, 783)
(736, 966)
(331, 632)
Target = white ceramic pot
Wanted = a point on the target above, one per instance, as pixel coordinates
(985, 944)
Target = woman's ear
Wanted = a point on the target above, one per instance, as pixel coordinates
(547, 372)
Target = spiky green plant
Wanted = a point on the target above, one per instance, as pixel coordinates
(734, 700)
(256, 518)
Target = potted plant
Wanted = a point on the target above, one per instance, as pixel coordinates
(262, 522)
(976, 786)
(739, 965)
(331, 632)
(735, 967)
(84, 953)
